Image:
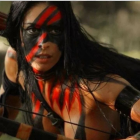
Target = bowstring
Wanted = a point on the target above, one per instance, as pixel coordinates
(63, 120)
(68, 113)
(101, 111)
(70, 119)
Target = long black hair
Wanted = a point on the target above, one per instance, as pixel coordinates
(83, 57)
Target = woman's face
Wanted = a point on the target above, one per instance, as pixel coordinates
(41, 35)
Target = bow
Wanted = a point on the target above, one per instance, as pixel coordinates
(27, 132)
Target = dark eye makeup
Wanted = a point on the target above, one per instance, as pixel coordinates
(54, 30)
(35, 30)
(31, 30)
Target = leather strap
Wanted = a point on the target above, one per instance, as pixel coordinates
(55, 119)
(126, 99)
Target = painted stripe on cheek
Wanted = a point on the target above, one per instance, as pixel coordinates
(34, 50)
(57, 17)
(45, 15)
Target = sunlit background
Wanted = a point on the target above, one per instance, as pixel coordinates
(114, 23)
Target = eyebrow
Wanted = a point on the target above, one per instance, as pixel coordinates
(57, 23)
(28, 24)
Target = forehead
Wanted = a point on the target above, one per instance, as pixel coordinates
(36, 11)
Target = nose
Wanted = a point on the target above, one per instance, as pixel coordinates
(44, 44)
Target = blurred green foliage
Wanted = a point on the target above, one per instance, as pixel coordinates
(112, 22)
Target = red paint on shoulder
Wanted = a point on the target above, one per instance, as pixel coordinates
(55, 96)
(36, 104)
(36, 108)
(33, 97)
(41, 85)
(49, 94)
(75, 98)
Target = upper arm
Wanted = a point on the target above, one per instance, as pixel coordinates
(1, 90)
(10, 64)
(135, 112)
(10, 67)
(107, 92)
(128, 102)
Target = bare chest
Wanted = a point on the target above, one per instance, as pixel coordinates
(63, 99)
(74, 106)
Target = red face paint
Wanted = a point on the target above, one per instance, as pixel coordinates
(45, 15)
(55, 18)
(35, 50)
(46, 27)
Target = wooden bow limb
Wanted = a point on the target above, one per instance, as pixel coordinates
(26, 132)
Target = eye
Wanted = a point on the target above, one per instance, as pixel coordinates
(55, 31)
(32, 31)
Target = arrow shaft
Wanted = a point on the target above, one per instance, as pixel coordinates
(26, 132)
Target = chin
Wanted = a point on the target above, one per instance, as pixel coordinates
(41, 68)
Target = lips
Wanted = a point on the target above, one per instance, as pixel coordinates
(43, 56)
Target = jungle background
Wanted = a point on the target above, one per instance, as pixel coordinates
(116, 23)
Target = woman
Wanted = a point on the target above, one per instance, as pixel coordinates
(61, 72)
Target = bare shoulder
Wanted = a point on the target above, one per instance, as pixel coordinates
(108, 90)
(11, 64)
(115, 83)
